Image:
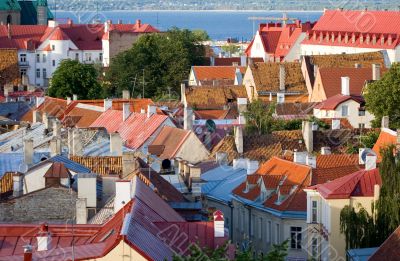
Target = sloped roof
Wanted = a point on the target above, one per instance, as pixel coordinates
(52, 106)
(389, 250)
(386, 137)
(82, 116)
(207, 73)
(8, 5)
(299, 108)
(57, 170)
(334, 101)
(171, 139)
(360, 184)
(59, 35)
(266, 77)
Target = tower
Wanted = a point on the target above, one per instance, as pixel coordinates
(41, 7)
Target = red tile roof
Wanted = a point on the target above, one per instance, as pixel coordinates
(226, 61)
(386, 137)
(381, 25)
(52, 106)
(334, 101)
(81, 116)
(172, 139)
(360, 184)
(209, 73)
(389, 250)
(135, 130)
(59, 35)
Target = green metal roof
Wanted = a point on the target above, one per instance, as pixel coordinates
(9, 5)
(29, 12)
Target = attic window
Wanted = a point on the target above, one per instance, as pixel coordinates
(110, 233)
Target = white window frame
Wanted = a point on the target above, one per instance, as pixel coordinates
(37, 73)
(345, 110)
(314, 211)
(295, 233)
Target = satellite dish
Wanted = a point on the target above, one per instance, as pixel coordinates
(199, 130)
(166, 164)
(211, 126)
(23, 168)
(365, 153)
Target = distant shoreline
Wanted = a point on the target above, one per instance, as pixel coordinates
(216, 10)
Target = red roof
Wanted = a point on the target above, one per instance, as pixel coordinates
(333, 102)
(135, 130)
(22, 36)
(389, 250)
(207, 73)
(379, 25)
(278, 39)
(171, 139)
(59, 35)
(359, 184)
(386, 137)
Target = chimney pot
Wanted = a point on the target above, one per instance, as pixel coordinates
(27, 253)
(376, 72)
(345, 85)
(126, 111)
(116, 144)
(126, 95)
(28, 151)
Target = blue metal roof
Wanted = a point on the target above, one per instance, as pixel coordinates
(14, 161)
(14, 110)
(69, 164)
(361, 254)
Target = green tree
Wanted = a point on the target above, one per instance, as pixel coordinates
(259, 117)
(162, 60)
(230, 48)
(278, 252)
(201, 35)
(72, 77)
(382, 97)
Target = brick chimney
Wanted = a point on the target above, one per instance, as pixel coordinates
(27, 253)
(43, 238)
(28, 152)
(345, 85)
(376, 72)
(126, 111)
(219, 224)
(116, 144)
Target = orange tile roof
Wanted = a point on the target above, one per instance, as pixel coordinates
(266, 77)
(52, 106)
(211, 114)
(207, 73)
(336, 160)
(386, 137)
(81, 117)
(172, 139)
(103, 166)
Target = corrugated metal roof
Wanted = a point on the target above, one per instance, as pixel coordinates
(14, 161)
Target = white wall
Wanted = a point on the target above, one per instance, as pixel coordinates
(34, 180)
(295, 52)
(257, 49)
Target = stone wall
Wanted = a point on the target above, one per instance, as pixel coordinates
(120, 42)
(9, 70)
(53, 205)
(15, 17)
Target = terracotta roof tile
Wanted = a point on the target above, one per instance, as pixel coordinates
(210, 73)
(389, 250)
(52, 106)
(172, 139)
(104, 166)
(386, 137)
(283, 109)
(81, 117)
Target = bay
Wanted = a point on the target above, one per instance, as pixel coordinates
(220, 25)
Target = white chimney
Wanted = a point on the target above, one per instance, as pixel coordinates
(311, 161)
(308, 136)
(56, 128)
(75, 97)
(55, 147)
(239, 163)
(81, 211)
(142, 111)
(36, 116)
(326, 151)
(282, 77)
(69, 100)
(151, 109)
(126, 95)
(376, 72)
(252, 166)
(77, 147)
(39, 101)
(18, 184)
(239, 139)
(300, 157)
(242, 105)
(187, 118)
(87, 188)
(28, 152)
(345, 85)
(52, 24)
(43, 238)
(107, 25)
(126, 111)
(124, 192)
(129, 163)
(238, 77)
(370, 162)
(107, 104)
(243, 60)
(183, 93)
(219, 224)
(385, 122)
(115, 144)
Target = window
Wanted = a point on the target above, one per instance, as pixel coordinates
(252, 225)
(269, 231)
(242, 222)
(22, 72)
(260, 228)
(37, 73)
(361, 125)
(54, 63)
(44, 58)
(326, 113)
(314, 212)
(361, 113)
(345, 111)
(38, 58)
(277, 234)
(295, 237)
(88, 57)
(44, 73)
(22, 57)
(101, 57)
(314, 248)
(53, 47)
(77, 56)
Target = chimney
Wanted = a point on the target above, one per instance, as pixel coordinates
(70, 141)
(219, 224)
(27, 253)
(8, 31)
(115, 144)
(345, 85)
(385, 122)
(36, 116)
(55, 147)
(142, 111)
(81, 211)
(282, 77)
(357, 65)
(370, 162)
(128, 163)
(56, 128)
(377, 192)
(183, 93)
(151, 109)
(315, 70)
(126, 95)
(326, 151)
(187, 118)
(238, 77)
(43, 238)
(138, 23)
(28, 152)
(311, 161)
(221, 158)
(45, 120)
(75, 97)
(300, 157)
(39, 101)
(242, 105)
(376, 72)
(18, 184)
(239, 139)
(87, 188)
(126, 111)
(243, 60)
(69, 100)
(107, 104)
(308, 136)
(77, 148)
(252, 166)
(124, 192)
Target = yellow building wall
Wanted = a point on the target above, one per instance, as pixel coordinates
(122, 252)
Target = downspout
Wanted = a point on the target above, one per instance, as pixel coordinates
(231, 224)
(250, 224)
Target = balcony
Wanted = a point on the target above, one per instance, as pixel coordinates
(23, 64)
